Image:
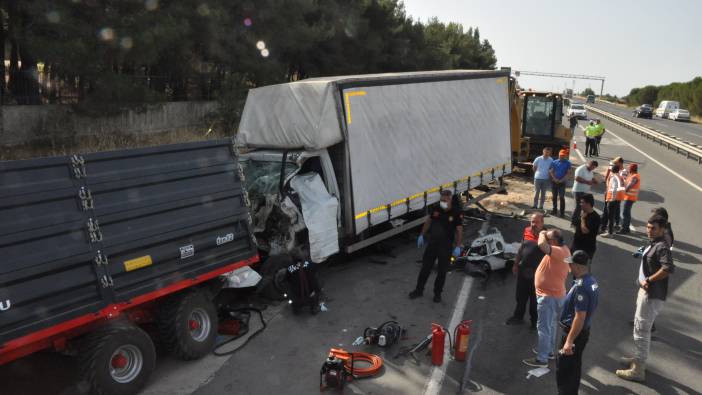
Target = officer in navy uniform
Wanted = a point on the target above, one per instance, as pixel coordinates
(443, 234)
(580, 304)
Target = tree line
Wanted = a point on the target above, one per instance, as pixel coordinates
(689, 94)
(103, 55)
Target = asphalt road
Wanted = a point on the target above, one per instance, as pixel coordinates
(371, 287)
(687, 131)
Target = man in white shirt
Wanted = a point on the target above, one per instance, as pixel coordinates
(584, 180)
(542, 179)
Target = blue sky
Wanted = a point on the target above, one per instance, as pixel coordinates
(631, 43)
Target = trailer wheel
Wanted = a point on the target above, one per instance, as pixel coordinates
(117, 360)
(188, 325)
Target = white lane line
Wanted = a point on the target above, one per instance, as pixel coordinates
(673, 172)
(438, 373)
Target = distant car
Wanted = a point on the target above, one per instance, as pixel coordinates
(591, 99)
(643, 111)
(679, 115)
(577, 111)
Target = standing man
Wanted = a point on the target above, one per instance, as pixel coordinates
(542, 178)
(549, 281)
(580, 305)
(443, 232)
(559, 174)
(613, 198)
(656, 266)
(586, 227)
(590, 141)
(584, 180)
(528, 258)
(573, 124)
(599, 132)
(631, 195)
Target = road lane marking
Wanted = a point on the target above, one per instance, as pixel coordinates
(671, 171)
(438, 373)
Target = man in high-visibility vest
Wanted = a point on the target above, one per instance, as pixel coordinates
(599, 131)
(631, 195)
(590, 142)
(613, 198)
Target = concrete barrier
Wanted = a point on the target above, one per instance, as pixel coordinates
(25, 124)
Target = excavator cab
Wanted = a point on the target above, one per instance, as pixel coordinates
(537, 122)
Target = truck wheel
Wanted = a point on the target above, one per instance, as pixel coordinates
(188, 325)
(274, 272)
(117, 360)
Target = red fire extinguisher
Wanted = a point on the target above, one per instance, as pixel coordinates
(438, 340)
(461, 335)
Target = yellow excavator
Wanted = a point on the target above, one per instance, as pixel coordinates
(536, 122)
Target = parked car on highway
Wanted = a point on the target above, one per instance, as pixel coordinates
(577, 110)
(665, 108)
(679, 115)
(643, 111)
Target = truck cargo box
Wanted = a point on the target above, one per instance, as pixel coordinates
(395, 139)
(81, 233)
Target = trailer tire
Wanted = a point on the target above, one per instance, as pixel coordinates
(117, 359)
(188, 325)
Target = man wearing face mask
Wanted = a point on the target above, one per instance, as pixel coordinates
(442, 233)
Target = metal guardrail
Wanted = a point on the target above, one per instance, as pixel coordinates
(684, 148)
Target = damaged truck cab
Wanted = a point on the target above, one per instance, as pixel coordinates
(336, 164)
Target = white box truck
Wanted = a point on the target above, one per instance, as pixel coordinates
(665, 108)
(339, 163)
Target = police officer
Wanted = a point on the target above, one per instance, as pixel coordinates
(580, 304)
(442, 233)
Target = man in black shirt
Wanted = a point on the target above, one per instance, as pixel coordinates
(527, 260)
(444, 231)
(573, 124)
(586, 226)
(656, 267)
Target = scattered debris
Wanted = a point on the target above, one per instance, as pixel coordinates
(538, 372)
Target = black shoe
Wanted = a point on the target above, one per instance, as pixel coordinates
(415, 294)
(437, 298)
(554, 212)
(514, 321)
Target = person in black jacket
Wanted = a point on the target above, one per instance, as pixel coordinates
(443, 234)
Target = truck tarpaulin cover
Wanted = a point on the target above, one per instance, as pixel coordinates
(297, 115)
(319, 209)
(425, 135)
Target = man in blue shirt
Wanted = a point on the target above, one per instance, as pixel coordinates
(578, 309)
(542, 179)
(559, 173)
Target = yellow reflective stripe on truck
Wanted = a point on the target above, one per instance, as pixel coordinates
(348, 104)
(399, 202)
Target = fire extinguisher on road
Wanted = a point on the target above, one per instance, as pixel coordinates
(438, 341)
(461, 335)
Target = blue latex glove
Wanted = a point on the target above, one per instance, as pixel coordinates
(457, 252)
(420, 241)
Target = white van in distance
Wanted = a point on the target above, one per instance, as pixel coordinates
(665, 108)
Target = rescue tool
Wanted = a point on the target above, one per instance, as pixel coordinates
(339, 368)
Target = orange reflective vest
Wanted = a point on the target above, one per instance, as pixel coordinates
(615, 189)
(633, 193)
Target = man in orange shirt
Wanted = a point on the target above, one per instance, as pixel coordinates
(549, 281)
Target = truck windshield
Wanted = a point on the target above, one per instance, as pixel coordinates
(539, 116)
(263, 177)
